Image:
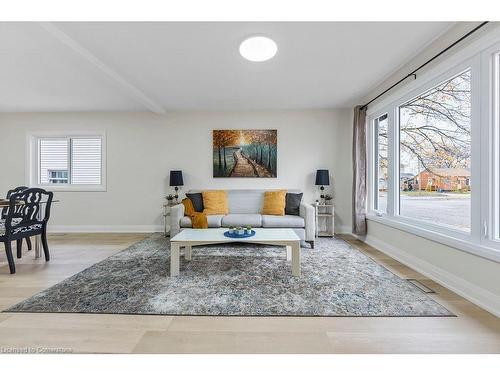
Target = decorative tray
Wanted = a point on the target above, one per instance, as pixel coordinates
(236, 235)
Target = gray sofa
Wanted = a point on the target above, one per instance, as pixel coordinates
(245, 208)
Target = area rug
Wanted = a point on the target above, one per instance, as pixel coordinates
(236, 280)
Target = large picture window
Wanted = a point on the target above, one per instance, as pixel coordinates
(435, 154)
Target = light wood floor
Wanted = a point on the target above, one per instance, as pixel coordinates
(472, 331)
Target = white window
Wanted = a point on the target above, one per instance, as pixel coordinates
(53, 156)
(435, 143)
(67, 162)
(443, 152)
(381, 160)
(496, 145)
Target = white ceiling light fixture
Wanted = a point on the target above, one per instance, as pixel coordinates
(258, 48)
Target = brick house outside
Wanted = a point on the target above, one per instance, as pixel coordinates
(443, 179)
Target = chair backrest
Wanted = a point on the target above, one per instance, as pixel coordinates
(16, 190)
(25, 210)
(9, 193)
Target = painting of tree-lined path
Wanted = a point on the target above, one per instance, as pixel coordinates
(245, 153)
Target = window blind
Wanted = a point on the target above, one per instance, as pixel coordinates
(53, 157)
(79, 159)
(86, 161)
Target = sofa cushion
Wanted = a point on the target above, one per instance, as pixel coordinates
(242, 220)
(245, 201)
(274, 202)
(214, 221)
(215, 202)
(292, 206)
(287, 221)
(197, 200)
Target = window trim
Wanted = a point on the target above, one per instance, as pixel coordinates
(479, 57)
(490, 155)
(32, 159)
(373, 176)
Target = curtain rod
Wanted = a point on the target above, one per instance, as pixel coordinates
(413, 73)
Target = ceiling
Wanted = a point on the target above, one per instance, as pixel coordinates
(164, 66)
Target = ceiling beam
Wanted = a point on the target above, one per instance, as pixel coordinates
(132, 91)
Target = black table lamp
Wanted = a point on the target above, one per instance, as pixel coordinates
(176, 180)
(322, 179)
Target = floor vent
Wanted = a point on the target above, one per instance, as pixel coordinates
(420, 286)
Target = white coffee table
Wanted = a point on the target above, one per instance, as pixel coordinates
(267, 236)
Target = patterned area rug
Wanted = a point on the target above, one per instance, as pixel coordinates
(237, 280)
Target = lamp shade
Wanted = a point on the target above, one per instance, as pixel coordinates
(322, 177)
(176, 178)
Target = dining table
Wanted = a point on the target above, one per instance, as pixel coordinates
(37, 245)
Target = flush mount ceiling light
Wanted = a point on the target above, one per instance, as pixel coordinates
(258, 48)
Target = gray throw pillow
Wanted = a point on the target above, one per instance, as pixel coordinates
(292, 204)
(197, 199)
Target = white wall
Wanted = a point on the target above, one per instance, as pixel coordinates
(142, 148)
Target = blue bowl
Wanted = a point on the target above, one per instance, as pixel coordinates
(236, 235)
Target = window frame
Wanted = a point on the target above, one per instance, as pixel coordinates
(484, 167)
(32, 160)
(373, 174)
(475, 145)
(490, 118)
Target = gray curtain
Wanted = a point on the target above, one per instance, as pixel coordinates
(359, 172)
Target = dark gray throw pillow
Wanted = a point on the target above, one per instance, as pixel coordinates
(292, 204)
(197, 200)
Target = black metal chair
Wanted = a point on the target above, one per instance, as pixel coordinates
(24, 220)
(6, 209)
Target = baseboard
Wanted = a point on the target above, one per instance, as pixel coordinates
(104, 228)
(477, 295)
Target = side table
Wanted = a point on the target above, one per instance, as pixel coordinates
(325, 220)
(166, 218)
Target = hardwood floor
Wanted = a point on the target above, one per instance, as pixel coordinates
(472, 331)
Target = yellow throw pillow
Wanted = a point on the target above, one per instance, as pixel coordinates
(215, 202)
(274, 203)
